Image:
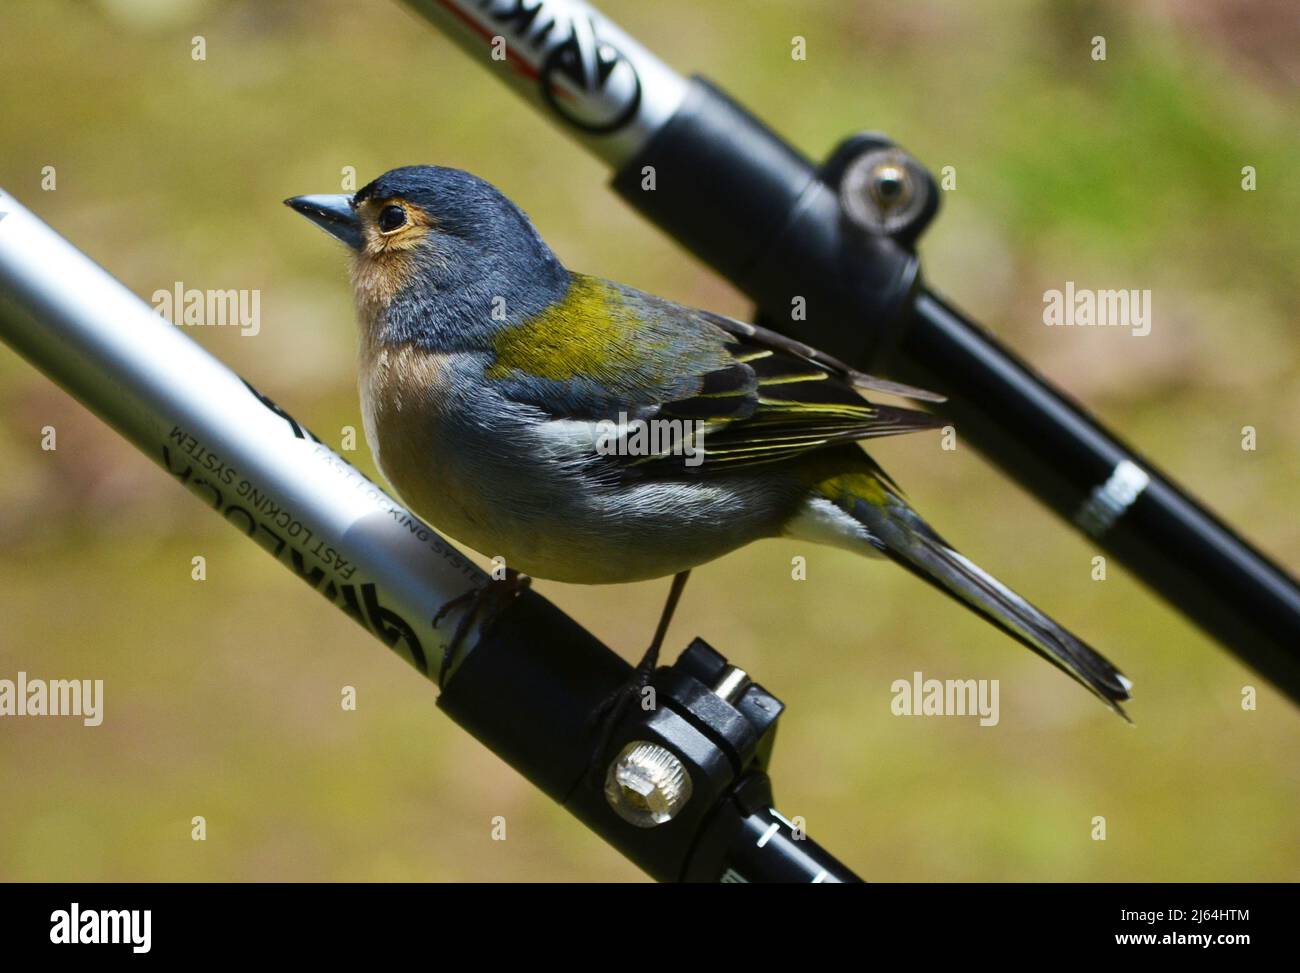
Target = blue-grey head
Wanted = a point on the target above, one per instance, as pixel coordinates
(435, 250)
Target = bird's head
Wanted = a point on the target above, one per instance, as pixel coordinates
(420, 233)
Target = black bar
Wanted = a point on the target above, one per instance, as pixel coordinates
(1060, 453)
(748, 842)
(332, 924)
(744, 201)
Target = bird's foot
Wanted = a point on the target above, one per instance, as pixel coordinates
(484, 604)
(606, 716)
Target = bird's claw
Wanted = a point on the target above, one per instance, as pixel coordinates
(486, 602)
(609, 713)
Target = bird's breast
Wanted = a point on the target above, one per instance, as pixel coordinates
(437, 442)
(406, 396)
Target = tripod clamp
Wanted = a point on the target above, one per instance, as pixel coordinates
(687, 795)
(691, 775)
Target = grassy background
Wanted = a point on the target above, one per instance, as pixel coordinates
(222, 697)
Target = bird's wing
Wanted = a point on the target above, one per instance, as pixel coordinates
(774, 341)
(757, 396)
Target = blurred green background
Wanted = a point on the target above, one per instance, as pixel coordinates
(222, 697)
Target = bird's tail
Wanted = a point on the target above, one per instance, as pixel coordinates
(898, 532)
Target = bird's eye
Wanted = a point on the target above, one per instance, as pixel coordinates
(391, 217)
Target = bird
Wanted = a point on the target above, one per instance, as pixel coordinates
(592, 433)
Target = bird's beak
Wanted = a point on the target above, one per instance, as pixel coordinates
(333, 214)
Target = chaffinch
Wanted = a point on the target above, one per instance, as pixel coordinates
(589, 432)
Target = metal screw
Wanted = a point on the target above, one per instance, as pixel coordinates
(732, 684)
(889, 185)
(647, 785)
(881, 192)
